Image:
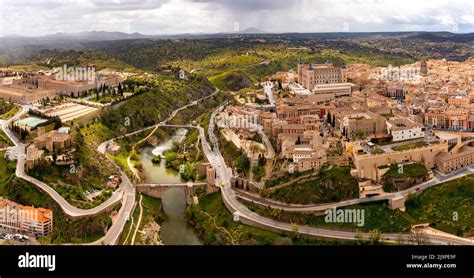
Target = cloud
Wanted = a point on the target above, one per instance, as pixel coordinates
(39, 17)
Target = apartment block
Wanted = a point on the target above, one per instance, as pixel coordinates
(25, 219)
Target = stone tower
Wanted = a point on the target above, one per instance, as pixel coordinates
(300, 71)
(424, 68)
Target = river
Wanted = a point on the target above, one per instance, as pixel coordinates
(175, 230)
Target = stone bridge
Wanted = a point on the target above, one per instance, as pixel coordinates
(158, 190)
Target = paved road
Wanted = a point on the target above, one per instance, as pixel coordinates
(230, 198)
(128, 203)
(323, 207)
(114, 232)
(20, 172)
(125, 193)
(248, 217)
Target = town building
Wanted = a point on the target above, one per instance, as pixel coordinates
(404, 129)
(448, 162)
(53, 140)
(371, 166)
(33, 156)
(25, 219)
(316, 160)
(33, 88)
(310, 75)
(357, 122)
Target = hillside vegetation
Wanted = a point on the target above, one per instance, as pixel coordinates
(162, 96)
(332, 185)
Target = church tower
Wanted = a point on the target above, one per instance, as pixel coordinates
(424, 68)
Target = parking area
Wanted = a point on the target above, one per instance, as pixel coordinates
(11, 238)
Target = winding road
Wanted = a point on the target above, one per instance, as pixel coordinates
(126, 193)
(323, 207)
(244, 215)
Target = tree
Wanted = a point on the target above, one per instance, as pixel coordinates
(359, 237)
(261, 160)
(294, 231)
(120, 89)
(55, 156)
(242, 164)
(374, 236)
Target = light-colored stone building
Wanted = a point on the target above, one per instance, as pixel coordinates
(404, 129)
(367, 165)
(310, 75)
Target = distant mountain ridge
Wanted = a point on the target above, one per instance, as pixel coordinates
(17, 48)
(106, 35)
(96, 35)
(252, 30)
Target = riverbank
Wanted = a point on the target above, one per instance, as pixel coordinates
(148, 232)
(174, 229)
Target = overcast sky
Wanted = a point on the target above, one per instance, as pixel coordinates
(40, 17)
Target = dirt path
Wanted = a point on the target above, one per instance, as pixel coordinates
(138, 221)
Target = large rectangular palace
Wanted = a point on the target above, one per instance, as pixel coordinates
(309, 75)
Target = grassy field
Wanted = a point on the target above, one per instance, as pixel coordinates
(377, 151)
(7, 171)
(409, 146)
(4, 140)
(448, 207)
(11, 113)
(126, 145)
(414, 170)
(333, 185)
(233, 80)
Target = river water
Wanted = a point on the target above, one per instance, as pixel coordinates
(175, 230)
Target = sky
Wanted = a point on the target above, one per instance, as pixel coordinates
(154, 17)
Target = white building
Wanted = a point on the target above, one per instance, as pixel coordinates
(404, 129)
(302, 152)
